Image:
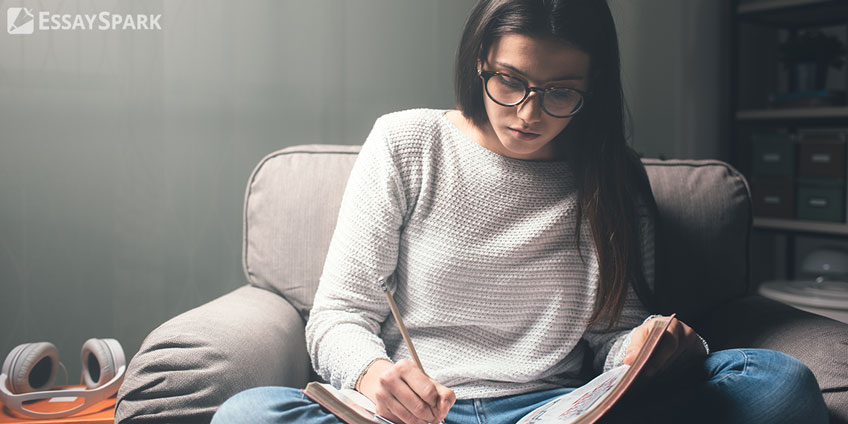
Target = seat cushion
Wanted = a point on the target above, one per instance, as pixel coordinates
(820, 343)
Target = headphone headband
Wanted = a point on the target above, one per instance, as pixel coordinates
(90, 397)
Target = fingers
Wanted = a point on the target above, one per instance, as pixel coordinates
(419, 382)
(679, 346)
(671, 345)
(689, 344)
(408, 395)
(446, 400)
(392, 408)
(636, 342)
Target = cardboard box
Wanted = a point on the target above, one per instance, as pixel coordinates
(821, 200)
(774, 197)
(773, 154)
(821, 154)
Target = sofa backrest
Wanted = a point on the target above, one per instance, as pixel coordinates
(294, 194)
(702, 236)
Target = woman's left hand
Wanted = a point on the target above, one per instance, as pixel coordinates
(680, 345)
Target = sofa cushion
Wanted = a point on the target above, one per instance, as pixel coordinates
(705, 219)
(294, 194)
(195, 361)
(290, 208)
(820, 343)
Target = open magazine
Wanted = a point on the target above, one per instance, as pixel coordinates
(584, 405)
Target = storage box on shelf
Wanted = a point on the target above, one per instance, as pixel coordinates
(821, 176)
(822, 154)
(799, 176)
(820, 200)
(773, 173)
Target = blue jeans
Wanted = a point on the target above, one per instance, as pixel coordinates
(729, 386)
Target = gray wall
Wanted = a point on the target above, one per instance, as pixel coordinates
(124, 155)
(676, 75)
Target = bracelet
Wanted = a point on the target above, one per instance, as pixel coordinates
(365, 371)
(704, 342)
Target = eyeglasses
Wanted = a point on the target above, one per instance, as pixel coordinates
(507, 90)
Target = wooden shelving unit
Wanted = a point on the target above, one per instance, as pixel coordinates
(788, 13)
(766, 6)
(757, 30)
(794, 225)
(804, 113)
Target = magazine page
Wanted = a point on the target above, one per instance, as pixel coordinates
(588, 403)
(572, 406)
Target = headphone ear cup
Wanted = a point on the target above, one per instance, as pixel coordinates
(31, 367)
(101, 359)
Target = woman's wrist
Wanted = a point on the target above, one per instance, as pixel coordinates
(372, 371)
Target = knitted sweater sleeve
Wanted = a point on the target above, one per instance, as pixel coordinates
(342, 333)
(610, 344)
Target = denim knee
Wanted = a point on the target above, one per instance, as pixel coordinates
(759, 385)
(256, 404)
(799, 390)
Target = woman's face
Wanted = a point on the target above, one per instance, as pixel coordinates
(525, 131)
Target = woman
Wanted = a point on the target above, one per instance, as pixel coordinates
(516, 234)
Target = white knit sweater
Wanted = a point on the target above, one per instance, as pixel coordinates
(479, 250)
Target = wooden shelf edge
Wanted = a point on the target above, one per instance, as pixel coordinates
(799, 113)
(801, 226)
(769, 5)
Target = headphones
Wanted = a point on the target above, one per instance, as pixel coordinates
(30, 369)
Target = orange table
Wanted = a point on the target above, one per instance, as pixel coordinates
(102, 412)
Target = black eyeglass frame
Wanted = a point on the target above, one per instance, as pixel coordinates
(486, 75)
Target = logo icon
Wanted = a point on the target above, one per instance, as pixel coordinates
(20, 21)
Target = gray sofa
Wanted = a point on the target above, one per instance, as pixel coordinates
(253, 336)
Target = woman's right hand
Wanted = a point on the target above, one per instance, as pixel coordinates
(403, 393)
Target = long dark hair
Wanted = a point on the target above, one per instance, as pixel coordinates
(611, 178)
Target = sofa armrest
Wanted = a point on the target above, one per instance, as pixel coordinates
(192, 363)
(820, 343)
